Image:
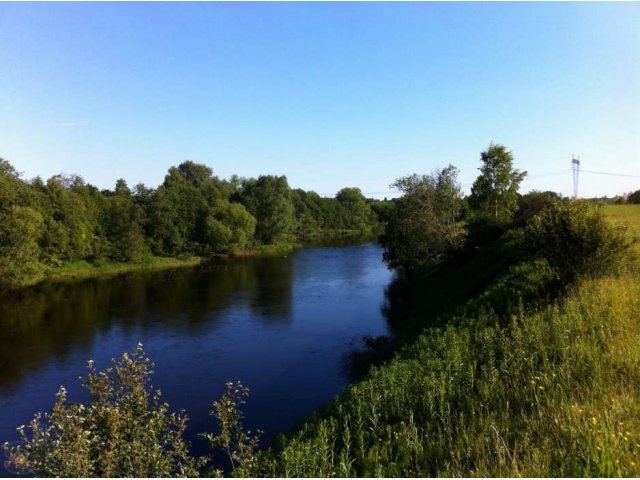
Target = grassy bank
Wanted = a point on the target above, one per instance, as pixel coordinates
(268, 250)
(548, 390)
(82, 269)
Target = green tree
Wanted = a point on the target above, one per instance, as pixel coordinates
(20, 229)
(72, 211)
(269, 200)
(357, 211)
(229, 227)
(494, 194)
(424, 224)
(634, 197)
(306, 212)
(181, 207)
(124, 226)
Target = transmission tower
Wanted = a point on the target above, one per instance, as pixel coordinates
(575, 168)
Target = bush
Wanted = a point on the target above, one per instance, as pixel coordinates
(576, 239)
(122, 433)
(126, 431)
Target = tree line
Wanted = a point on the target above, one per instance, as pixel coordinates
(45, 224)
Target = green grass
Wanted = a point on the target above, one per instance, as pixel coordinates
(82, 269)
(626, 214)
(268, 250)
(553, 391)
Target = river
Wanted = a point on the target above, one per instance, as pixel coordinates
(284, 326)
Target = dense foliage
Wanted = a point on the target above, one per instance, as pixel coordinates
(432, 220)
(577, 240)
(425, 223)
(44, 225)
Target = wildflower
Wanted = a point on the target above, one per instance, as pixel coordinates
(594, 420)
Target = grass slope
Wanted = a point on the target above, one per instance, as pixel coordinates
(549, 392)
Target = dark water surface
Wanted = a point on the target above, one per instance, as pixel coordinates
(283, 326)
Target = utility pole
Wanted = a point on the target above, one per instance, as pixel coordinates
(575, 168)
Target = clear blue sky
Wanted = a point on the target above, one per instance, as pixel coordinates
(332, 95)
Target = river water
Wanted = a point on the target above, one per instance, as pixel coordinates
(284, 326)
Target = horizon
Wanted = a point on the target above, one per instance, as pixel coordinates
(330, 95)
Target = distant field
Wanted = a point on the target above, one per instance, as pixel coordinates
(627, 214)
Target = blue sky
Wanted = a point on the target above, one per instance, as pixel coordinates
(331, 95)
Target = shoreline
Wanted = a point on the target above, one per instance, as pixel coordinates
(83, 269)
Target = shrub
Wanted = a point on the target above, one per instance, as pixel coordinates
(576, 239)
(126, 431)
(239, 446)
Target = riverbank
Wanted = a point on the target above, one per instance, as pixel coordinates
(81, 269)
(268, 250)
(546, 388)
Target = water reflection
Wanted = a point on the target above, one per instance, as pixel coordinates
(46, 321)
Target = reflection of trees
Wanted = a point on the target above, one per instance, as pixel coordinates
(48, 321)
(271, 298)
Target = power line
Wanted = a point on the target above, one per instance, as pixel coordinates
(610, 173)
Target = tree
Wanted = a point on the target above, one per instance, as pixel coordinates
(72, 210)
(494, 194)
(634, 197)
(357, 212)
(424, 225)
(229, 227)
(269, 200)
(20, 229)
(124, 226)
